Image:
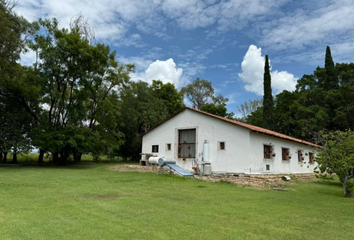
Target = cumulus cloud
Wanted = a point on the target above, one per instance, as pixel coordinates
(166, 71)
(252, 74)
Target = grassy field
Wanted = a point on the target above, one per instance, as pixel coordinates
(90, 202)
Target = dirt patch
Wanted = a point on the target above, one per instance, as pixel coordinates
(135, 168)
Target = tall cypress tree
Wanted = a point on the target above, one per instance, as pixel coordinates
(331, 75)
(268, 97)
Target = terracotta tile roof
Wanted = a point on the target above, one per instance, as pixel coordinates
(245, 125)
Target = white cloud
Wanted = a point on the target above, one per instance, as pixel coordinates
(253, 71)
(28, 58)
(166, 71)
(113, 19)
(341, 52)
(323, 23)
(139, 62)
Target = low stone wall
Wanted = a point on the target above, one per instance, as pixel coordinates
(260, 181)
(135, 168)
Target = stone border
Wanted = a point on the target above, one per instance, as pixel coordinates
(259, 181)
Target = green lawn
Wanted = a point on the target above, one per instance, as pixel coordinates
(88, 201)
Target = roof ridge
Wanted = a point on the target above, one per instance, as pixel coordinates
(256, 128)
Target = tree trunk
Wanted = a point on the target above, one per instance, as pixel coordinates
(5, 157)
(1, 157)
(347, 190)
(77, 155)
(55, 158)
(40, 157)
(65, 155)
(14, 157)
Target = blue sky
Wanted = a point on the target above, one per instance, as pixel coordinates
(222, 41)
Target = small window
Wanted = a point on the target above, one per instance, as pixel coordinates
(168, 147)
(221, 145)
(311, 157)
(155, 148)
(300, 156)
(285, 152)
(267, 167)
(267, 151)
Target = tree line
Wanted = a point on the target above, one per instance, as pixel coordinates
(322, 101)
(76, 98)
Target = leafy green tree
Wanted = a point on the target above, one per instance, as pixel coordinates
(140, 111)
(337, 157)
(172, 98)
(256, 118)
(268, 97)
(14, 120)
(199, 93)
(15, 124)
(249, 107)
(14, 30)
(217, 109)
(78, 93)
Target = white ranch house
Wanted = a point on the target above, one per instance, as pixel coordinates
(191, 136)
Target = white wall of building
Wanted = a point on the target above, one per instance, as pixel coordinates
(243, 149)
(277, 165)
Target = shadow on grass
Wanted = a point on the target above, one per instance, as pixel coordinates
(330, 183)
(71, 165)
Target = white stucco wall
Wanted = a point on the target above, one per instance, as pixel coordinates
(277, 165)
(243, 149)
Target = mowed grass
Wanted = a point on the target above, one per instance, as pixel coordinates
(88, 201)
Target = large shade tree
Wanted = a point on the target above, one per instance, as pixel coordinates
(77, 87)
(15, 122)
(140, 111)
